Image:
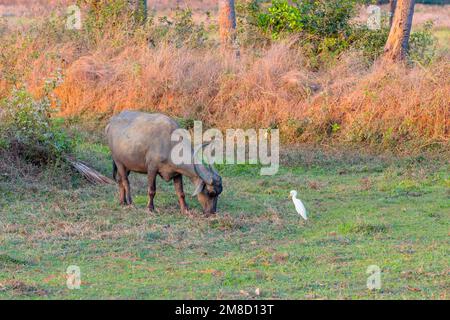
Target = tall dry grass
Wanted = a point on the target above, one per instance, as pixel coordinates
(350, 102)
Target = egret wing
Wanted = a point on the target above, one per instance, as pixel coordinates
(300, 208)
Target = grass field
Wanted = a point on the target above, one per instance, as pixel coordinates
(364, 210)
(443, 37)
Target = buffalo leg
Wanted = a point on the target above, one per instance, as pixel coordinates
(178, 183)
(125, 193)
(151, 189)
(127, 188)
(122, 176)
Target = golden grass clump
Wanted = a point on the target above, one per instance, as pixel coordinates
(389, 105)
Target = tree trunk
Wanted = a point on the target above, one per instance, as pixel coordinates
(145, 9)
(392, 5)
(227, 23)
(397, 44)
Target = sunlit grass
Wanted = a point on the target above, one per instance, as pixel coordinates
(363, 211)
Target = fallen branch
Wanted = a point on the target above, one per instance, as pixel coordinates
(93, 176)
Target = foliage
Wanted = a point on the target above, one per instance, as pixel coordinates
(115, 19)
(181, 30)
(370, 42)
(248, 15)
(321, 18)
(324, 27)
(122, 23)
(26, 128)
(422, 45)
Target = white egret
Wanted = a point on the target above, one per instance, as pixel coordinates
(298, 204)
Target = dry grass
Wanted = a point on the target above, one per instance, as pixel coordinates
(349, 102)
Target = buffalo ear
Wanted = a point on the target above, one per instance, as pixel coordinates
(198, 188)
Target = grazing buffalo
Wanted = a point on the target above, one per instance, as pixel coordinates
(141, 142)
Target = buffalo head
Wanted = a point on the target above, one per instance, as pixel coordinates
(209, 186)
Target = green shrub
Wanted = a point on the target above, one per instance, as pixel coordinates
(100, 16)
(320, 18)
(422, 45)
(325, 29)
(282, 17)
(323, 26)
(370, 42)
(248, 14)
(27, 129)
(115, 19)
(181, 30)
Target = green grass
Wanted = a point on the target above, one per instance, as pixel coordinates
(443, 37)
(363, 211)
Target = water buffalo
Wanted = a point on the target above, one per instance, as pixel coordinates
(141, 142)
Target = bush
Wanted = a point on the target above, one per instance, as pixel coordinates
(370, 42)
(103, 16)
(248, 24)
(179, 31)
(324, 26)
(323, 18)
(422, 45)
(27, 130)
(325, 29)
(120, 22)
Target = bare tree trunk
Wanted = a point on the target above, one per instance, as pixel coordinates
(145, 9)
(392, 5)
(227, 23)
(398, 40)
